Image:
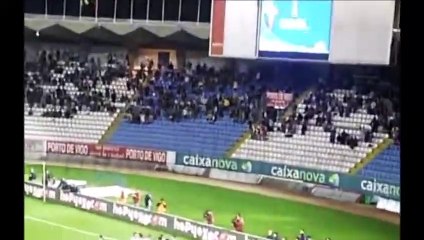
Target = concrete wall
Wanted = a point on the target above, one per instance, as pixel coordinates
(335, 194)
(235, 176)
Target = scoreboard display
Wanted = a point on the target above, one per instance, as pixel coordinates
(346, 32)
(295, 29)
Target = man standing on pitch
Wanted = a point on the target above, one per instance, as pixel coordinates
(238, 223)
(148, 201)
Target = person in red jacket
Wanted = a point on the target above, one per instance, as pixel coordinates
(238, 223)
(136, 198)
(208, 215)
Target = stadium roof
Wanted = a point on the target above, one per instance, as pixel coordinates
(139, 32)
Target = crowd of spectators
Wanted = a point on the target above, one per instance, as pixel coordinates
(201, 91)
(322, 105)
(48, 78)
(64, 83)
(204, 92)
(194, 92)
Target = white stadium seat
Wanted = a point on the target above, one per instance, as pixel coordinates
(87, 127)
(313, 150)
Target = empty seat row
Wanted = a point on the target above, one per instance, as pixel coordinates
(344, 160)
(79, 139)
(306, 148)
(385, 165)
(64, 135)
(194, 136)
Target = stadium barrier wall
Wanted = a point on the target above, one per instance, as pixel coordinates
(191, 163)
(93, 162)
(195, 164)
(181, 169)
(388, 205)
(188, 170)
(106, 151)
(281, 184)
(336, 194)
(347, 182)
(34, 149)
(235, 176)
(97, 155)
(141, 216)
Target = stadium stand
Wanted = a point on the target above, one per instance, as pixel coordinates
(205, 111)
(386, 166)
(72, 100)
(310, 139)
(200, 110)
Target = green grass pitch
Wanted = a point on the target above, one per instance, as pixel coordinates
(261, 213)
(48, 221)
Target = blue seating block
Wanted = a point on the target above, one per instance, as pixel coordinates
(189, 136)
(385, 166)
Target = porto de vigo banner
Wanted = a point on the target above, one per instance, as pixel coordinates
(346, 182)
(279, 100)
(138, 215)
(106, 151)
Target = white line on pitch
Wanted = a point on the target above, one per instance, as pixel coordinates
(65, 227)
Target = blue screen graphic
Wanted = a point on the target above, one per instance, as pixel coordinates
(295, 29)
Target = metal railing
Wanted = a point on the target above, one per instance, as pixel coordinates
(66, 5)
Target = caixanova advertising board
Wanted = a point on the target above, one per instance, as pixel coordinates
(346, 182)
(166, 222)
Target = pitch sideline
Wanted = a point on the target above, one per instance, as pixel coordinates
(27, 217)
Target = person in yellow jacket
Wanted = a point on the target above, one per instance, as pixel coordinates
(161, 206)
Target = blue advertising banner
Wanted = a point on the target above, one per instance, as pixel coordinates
(339, 180)
(369, 186)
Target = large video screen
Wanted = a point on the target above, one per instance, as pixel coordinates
(299, 29)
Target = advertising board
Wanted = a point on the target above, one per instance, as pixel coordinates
(353, 183)
(187, 227)
(106, 151)
(343, 181)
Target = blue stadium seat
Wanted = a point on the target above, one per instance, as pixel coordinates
(190, 136)
(385, 166)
